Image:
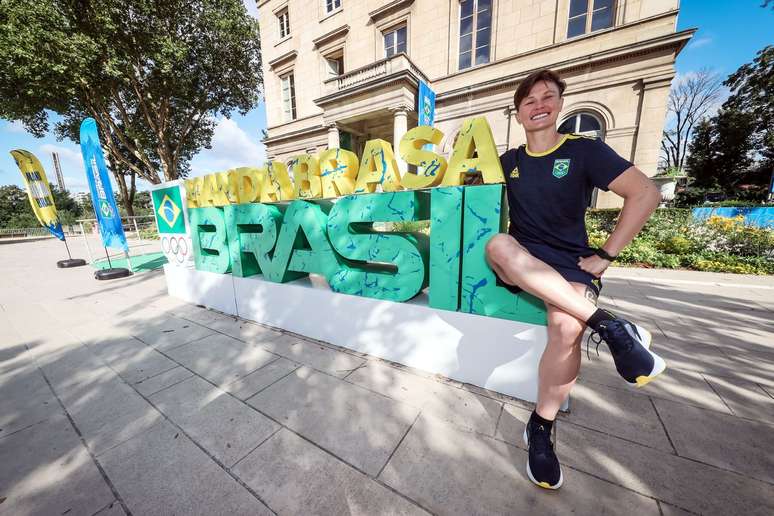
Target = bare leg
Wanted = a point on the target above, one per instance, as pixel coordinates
(561, 359)
(516, 266)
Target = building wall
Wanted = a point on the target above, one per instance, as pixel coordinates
(621, 74)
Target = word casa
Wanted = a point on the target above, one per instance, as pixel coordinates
(338, 172)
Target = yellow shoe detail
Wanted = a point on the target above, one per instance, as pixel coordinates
(545, 485)
(642, 381)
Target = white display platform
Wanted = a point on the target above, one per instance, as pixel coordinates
(491, 353)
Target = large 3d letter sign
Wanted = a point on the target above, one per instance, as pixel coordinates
(331, 221)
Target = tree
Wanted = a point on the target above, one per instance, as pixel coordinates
(701, 156)
(16, 212)
(154, 74)
(751, 91)
(690, 100)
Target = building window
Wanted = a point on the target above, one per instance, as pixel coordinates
(332, 5)
(334, 65)
(475, 32)
(588, 16)
(284, 23)
(289, 97)
(584, 123)
(395, 42)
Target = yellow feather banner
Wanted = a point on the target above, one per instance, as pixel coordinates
(38, 191)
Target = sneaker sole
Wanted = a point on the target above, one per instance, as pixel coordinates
(544, 485)
(658, 363)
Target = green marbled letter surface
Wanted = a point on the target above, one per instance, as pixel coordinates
(389, 266)
(483, 217)
(252, 232)
(209, 238)
(445, 238)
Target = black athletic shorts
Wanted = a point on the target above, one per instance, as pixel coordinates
(564, 262)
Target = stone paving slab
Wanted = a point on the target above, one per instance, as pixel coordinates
(163, 472)
(162, 380)
(132, 359)
(294, 476)
(433, 397)
(723, 441)
(343, 415)
(170, 333)
(214, 419)
(450, 471)
(26, 399)
(676, 480)
(220, 358)
(628, 415)
(748, 400)
(45, 469)
(361, 427)
(259, 379)
(314, 355)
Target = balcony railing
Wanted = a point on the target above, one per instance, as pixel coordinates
(374, 71)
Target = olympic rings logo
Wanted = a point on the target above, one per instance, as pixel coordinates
(175, 247)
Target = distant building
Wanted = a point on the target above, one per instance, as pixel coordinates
(82, 198)
(58, 170)
(340, 72)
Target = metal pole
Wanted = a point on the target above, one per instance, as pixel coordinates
(129, 261)
(136, 230)
(88, 249)
(68, 249)
(110, 265)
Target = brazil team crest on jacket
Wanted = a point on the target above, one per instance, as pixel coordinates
(561, 168)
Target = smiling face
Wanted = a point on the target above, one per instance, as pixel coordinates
(541, 107)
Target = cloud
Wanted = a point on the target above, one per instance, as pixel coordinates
(72, 165)
(231, 147)
(14, 127)
(699, 42)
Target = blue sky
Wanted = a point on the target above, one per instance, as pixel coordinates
(729, 35)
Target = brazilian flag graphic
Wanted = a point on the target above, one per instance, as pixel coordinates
(169, 210)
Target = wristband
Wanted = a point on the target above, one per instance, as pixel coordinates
(603, 254)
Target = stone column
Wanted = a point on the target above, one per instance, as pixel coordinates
(333, 136)
(399, 128)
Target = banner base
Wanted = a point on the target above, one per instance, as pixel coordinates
(112, 273)
(72, 262)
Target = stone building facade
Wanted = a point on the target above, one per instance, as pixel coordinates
(341, 72)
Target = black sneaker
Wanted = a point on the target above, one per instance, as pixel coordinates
(630, 346)
(542, 465)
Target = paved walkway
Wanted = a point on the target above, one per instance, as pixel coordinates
(117, 399)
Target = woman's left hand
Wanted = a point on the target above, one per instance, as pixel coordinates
(593, 264)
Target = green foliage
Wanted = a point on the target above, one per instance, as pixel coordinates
(16, 212)
(419, 226)
(670, 239)
(154, 74)
(736, 146)
(149, 234)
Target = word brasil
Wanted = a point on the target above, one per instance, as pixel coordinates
(285, 241)
(338, 172)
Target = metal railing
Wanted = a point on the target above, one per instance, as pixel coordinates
(40, 231)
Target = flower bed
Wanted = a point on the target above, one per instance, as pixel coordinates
(671, 239)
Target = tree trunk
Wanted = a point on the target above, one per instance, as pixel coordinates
(126, 197)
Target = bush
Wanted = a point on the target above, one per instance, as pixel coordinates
(676, 245)
(149, 234)
(671, 239)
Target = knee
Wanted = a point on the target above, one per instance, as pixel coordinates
(499, 247)
(566, 332)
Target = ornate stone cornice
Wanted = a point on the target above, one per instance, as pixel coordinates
(337, 33)
(284, 58)
(384, 10)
